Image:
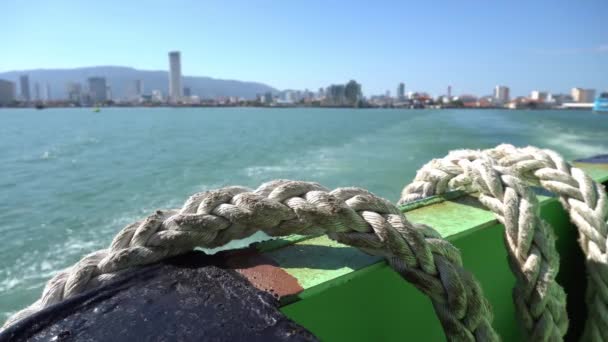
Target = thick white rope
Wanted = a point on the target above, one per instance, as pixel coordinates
(358, 218)
(349, 215)
(502, 175)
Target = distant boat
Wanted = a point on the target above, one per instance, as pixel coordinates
(96, 110)
(601, 103)
(39, 106)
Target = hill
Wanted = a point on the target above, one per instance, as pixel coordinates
(120, 79)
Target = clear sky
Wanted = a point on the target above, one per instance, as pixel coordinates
(471, 44)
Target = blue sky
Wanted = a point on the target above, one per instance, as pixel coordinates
(473, 45)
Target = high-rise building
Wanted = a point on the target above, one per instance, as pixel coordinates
(539, 95)
(135, 90)
(187, 92)
(583, 95)
(97, 89)
(46, 95)
(37, 92)
(24, 84)
(449, 92)
(501, 94)
(175, 76)
(7, 92)
(401, 91)
(74, 91)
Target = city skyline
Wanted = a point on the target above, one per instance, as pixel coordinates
(544, 45)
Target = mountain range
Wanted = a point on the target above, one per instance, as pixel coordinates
(120, 79)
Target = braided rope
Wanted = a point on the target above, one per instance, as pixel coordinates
(584, 199)
(349, 215)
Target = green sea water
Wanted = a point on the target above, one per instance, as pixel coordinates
(71, 178)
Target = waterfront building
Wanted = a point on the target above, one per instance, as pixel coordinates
(560, 99)
(537, 95)
(175, 76)
(581, 95)
(335, 94)
(98, 91)
(74, 91)
(157, 96)
(135, 90)
(7, 92)
(401, 91)
(37, 91)
(187, 92)
(267, 98)
(24, 84)
(46, 94)
(501, 94)
(288, 97)
(449, 92)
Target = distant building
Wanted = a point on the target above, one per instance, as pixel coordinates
(74, 91)
(401, 91)
(135, 90)
(157, 96)
(24, 84)
(267, 97)
(98, 91)
(449, 92)
(560, 99)
(37, 92)
(288, 97)
(501, 94)
(187, 92)
(7, 92)
(108, 92)
(321, 93)
(46, 94)
(175, 76)
(583, 95)
(539, 95)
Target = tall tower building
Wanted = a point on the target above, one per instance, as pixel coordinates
(449, 92)
(74, 91)
(97, 89)
(7, 92)
(47, 93)
(37, 95)
(175, 76)
(24, 83)
(501, 94)
(401, 91)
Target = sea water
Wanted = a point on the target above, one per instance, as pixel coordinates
(71, 178)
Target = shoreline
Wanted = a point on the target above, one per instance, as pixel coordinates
(51, 106)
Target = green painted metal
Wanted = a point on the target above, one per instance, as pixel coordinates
(351, 296)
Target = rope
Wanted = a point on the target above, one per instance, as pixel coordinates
(503, 176)
(355, 217)
(349, 215)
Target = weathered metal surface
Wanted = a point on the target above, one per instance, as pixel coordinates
(187, 298)
(263, 273)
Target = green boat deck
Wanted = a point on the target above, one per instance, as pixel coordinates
(347, 295)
